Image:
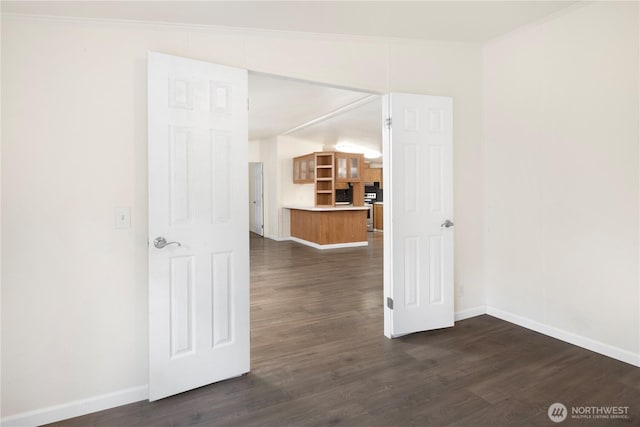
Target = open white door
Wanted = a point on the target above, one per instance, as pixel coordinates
(418, 213)
(256, 212)
(199, 288)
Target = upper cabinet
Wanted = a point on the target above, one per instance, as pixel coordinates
(329, 170)
(370, 175)
(304, 169)
(348, 167)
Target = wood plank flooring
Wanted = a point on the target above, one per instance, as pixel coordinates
(319, 358)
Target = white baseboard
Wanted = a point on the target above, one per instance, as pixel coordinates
(575, 339)
(469, 313)
(331, 246)
(75, 409)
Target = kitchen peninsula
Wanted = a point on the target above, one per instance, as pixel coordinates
(329, 228)
(327, 225)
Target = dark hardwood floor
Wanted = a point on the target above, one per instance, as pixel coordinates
(319, 358)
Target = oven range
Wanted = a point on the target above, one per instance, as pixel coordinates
(369, 200)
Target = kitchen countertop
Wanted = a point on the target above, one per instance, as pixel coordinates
(378, 203)
(327, 209)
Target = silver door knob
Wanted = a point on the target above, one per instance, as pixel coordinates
(161, 242)
(448, 223)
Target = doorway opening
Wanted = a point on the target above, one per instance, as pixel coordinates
(290, 118)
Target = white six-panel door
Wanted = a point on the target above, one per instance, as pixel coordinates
(198, 190)
(418, 244)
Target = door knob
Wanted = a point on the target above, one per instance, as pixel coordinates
(448, 223)
(161, 242)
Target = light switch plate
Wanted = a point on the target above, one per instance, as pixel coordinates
(122, 217)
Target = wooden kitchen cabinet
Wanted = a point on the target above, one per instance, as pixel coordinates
(378, 218)
(304, 169)
(330, 170)
(324, 179)
(372, 175)
(329, 226)
(348, 167)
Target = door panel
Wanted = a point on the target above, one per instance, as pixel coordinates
(418, 148)
(199, 288)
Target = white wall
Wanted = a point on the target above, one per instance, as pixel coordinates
(561, 174)
(455, 70)
(255, 156)
(277, 155)
(290, 193)
(269, 159)
(74, 289)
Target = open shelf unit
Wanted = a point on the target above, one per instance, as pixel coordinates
(324, 179)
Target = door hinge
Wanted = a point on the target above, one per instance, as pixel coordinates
(247, 104)
(390, 303)
(387, 122)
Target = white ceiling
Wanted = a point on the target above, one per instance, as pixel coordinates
(361, 126)
(466, 21)
(314, 112)
(277, 104)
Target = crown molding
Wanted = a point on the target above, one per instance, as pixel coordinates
(236, 31)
